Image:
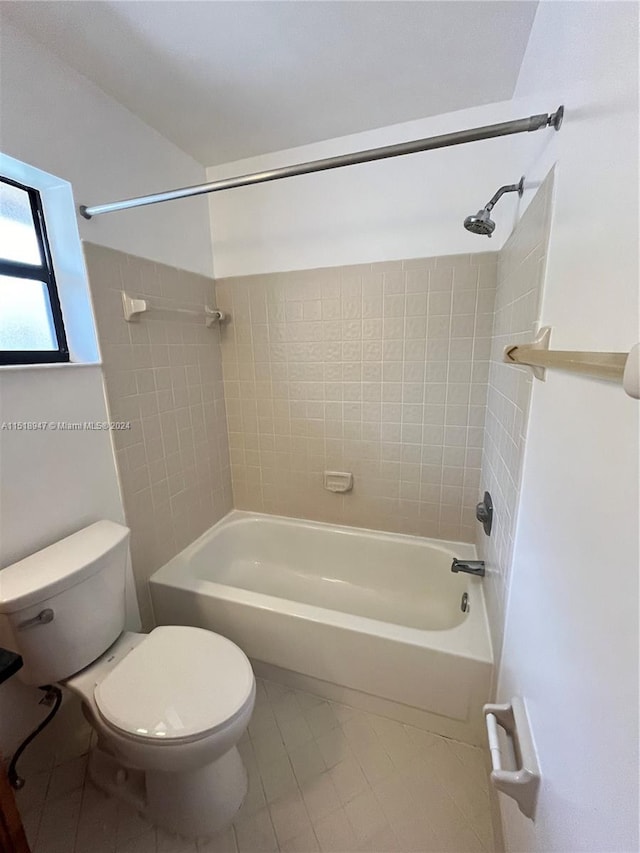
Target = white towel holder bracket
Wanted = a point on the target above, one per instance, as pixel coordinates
(522, 782)
(620, 367)
(133, 307)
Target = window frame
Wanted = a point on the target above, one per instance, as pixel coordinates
(43, 273)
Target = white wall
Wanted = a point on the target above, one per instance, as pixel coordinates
(54, 118)
(53, 483)
(571, 642)
(406, 207)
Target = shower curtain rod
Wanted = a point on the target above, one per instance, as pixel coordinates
(445, 140)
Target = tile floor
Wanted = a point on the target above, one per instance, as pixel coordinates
(322, 777)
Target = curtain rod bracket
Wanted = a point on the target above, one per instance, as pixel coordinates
(555, 119)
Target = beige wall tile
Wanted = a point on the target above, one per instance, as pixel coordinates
(368, 369)
(164, 374)
(521, 265)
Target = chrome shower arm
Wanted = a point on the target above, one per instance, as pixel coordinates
(508, 188)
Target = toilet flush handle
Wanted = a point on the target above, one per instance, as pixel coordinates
(43, 618)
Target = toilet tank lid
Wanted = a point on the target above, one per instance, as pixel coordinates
(60, 566)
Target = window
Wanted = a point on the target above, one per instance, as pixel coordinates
(31, 327)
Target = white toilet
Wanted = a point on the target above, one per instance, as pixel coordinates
(168, 707)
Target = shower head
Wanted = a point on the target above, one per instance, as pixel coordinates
(481, 222)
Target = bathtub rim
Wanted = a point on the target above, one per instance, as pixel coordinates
(456, 641)
(237, 516)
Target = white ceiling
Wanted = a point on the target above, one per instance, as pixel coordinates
(227, 80)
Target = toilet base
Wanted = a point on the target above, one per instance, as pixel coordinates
(195, 804)
(114, 779)
(199, 802)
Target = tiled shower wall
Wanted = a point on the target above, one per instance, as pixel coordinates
(378, 369)
(164, 375)
(521, 266)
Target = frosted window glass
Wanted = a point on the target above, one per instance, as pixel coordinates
(25, 315)
(18, 240)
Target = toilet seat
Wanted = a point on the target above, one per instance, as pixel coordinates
(179, 684)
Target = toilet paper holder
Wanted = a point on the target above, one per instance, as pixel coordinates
(515, 767)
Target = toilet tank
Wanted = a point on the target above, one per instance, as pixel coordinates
(62, 607)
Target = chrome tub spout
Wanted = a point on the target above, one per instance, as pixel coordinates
(471, 567)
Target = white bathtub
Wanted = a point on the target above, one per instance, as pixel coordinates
(371, 618)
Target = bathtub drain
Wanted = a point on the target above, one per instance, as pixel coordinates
(464, 602)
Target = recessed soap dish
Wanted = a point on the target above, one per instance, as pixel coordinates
(338, 481)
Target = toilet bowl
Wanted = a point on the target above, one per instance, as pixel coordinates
(168, 707)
